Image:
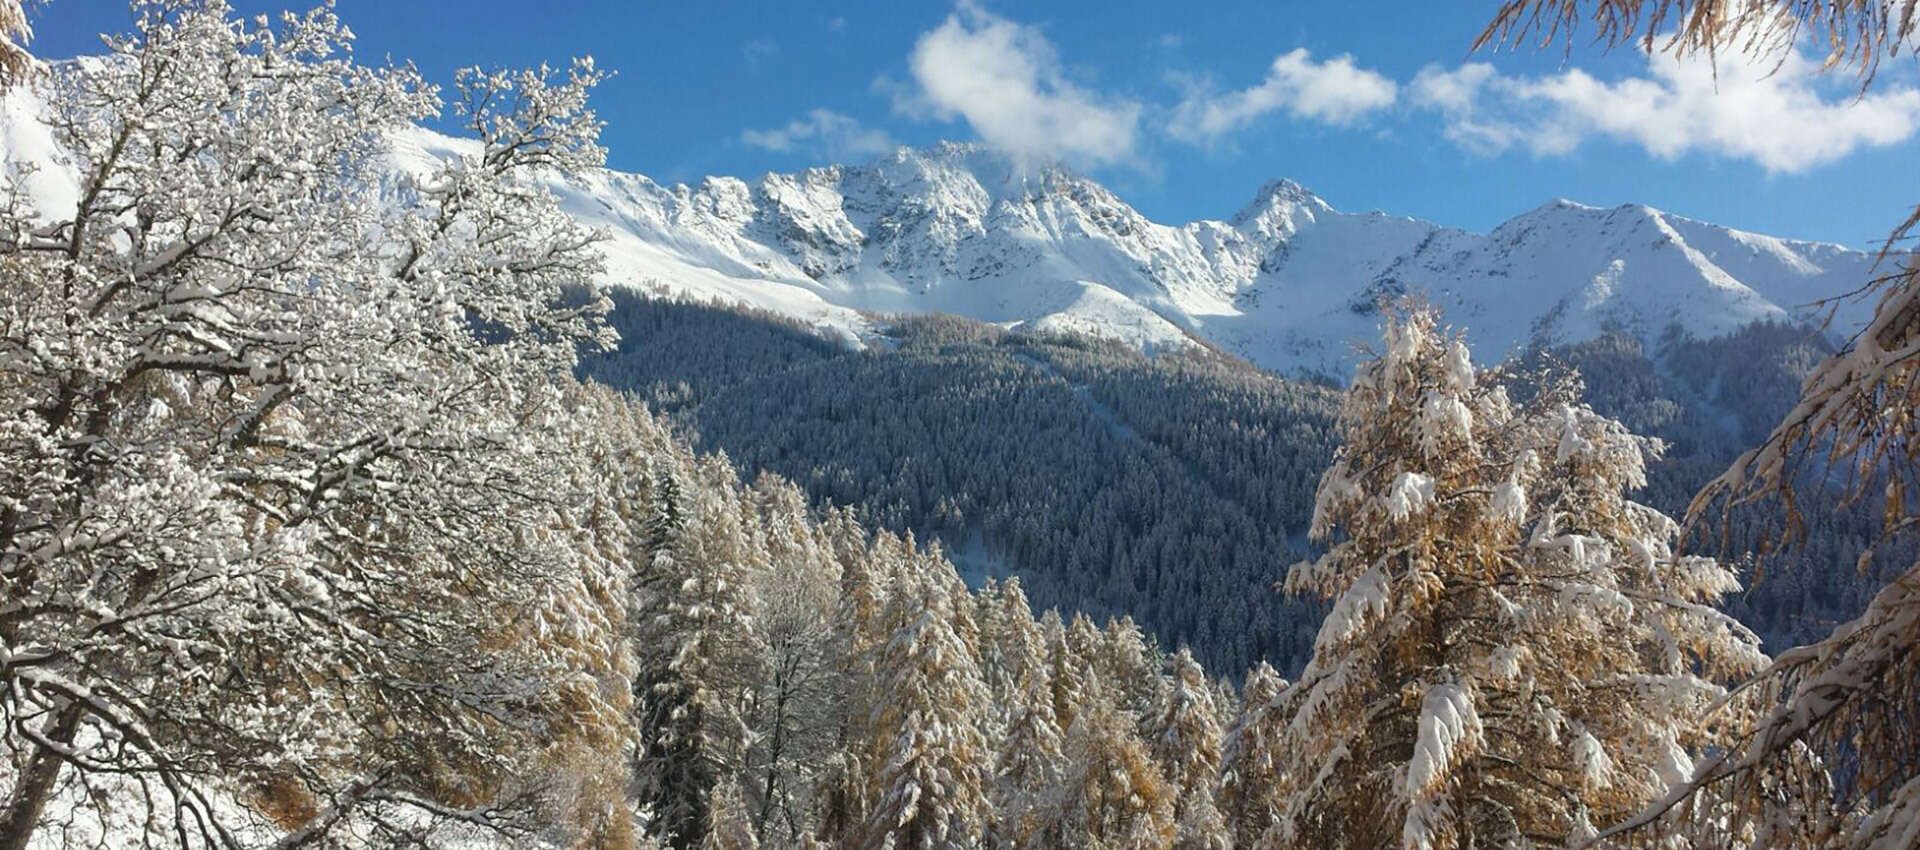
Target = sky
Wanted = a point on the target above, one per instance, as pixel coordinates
(1185, 110)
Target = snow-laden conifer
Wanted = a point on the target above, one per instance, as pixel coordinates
(1250, 759)
(931, 765)
(1185, 741)
(1112, 794)
(1514, 651)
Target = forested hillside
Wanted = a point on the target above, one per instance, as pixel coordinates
(1175, 489)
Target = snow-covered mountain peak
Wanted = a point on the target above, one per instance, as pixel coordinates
(1279, 192)
(1289, 281)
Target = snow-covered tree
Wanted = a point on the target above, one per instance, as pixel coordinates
(1186, 741)
(1073, 652)
(1112, 795)
(1031, 756)
(1515, 654)
(729, 826)
(278, 452)
(794, 696)
(1131, 666)
(691, 636)
(869, 569)
(15, 32)
(1010, 639)
(1250, 759)
(931, 763)
(1851, 696)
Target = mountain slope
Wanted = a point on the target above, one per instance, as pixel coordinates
(1175, 489)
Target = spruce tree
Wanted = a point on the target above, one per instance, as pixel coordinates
(689, 625)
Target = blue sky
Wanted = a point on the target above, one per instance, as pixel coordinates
(1184, 111)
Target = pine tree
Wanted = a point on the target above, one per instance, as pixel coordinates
(1515, 652)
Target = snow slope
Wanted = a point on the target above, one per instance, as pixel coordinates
(1289, 282)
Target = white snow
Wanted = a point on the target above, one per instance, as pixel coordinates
(1410, 494)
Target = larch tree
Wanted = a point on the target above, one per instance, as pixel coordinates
(870, 569)
(274, 445)
(1185, 739)
(729, 824)
(1515, 653)
(1131, 665)
(1066, 667)
(1010, 638)
(1112, 796)
(1849, 699)
(931, 765)
(1031, 759)
(1250, 759)
(15, 32)
(1081, 663)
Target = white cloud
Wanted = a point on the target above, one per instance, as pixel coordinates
(836, 136)
(1779, 113)
(1335, 91)
(1005, 80)
(759, 51)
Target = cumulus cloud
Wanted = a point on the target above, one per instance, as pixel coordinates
(1335, 91)
(1781, 114)
(825, 132)
(1005, 81)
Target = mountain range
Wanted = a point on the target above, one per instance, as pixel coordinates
(1289, 282)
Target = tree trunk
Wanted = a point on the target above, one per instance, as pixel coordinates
(36, 782)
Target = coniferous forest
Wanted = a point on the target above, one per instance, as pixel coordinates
(340, 508)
